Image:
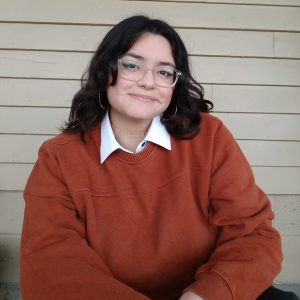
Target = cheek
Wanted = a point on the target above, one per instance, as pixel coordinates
(114, 93)
(167, 96)
(111, 93)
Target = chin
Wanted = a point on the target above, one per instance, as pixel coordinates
(142, 116)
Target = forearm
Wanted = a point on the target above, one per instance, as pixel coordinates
(70, 279)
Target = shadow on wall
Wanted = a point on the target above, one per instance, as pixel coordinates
(9, 291)
(9, 268)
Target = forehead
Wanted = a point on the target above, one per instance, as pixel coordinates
(152, 47)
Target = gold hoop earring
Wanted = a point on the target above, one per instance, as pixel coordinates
(99, 99)
(174, 114)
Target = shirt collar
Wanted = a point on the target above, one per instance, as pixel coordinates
(157, 134)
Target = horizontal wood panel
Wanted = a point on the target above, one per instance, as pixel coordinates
(212, 42)
(287, 44)
(198, 41)
(177, 14)
(271, 153)
(226, 98)
(278, 180)
(273, 180)
(20, 148)
(206, 69)
(246, 70)
(37, 92)
(51, 37)
(231, 43)
(13, 177)
(250, 2)
(43, 64)
(32, 120)
(24, 149)
(268, 99)
(262, 126)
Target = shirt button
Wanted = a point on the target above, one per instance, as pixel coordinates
(143, 144)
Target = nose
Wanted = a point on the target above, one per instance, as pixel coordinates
(147, 80)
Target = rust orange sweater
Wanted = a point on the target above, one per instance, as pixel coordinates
(147, 225)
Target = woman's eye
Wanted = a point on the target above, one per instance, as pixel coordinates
(130, 65)
(166, 73)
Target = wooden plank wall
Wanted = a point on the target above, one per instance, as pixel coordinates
(245, 52)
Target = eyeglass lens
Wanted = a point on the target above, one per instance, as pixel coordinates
(134, 71)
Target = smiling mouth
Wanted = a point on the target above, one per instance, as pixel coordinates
(143, 97)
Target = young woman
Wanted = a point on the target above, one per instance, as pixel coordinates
(145, 195)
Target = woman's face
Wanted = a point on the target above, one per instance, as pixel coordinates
(142, 100)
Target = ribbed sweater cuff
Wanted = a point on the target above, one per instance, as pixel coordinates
(210, 286)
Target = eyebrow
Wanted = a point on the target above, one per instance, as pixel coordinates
(162, 63)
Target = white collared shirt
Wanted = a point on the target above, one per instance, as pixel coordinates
(157, 134)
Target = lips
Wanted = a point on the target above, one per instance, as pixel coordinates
(143, 97)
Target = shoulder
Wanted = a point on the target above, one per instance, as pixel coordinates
(71, 141)
(213, 127)
(59, 142)
(212, 130)
(210, 125)
(62, 139)
(200, 149)
(209, 120)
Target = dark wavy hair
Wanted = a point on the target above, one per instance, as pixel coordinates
(188, 95)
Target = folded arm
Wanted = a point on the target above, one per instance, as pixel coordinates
(56, 259)
(248, 252)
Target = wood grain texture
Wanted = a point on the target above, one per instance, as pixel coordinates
(198, 41)
(37, 92)
(278, 180)
(177, 14)
(262, 126)
(245, 2)
(87, 38)
(260, 99)
(221, 70)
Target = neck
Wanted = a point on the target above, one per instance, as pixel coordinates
(138, 134)
(128, 139)
(129, 134)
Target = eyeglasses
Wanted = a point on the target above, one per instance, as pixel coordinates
(164, 76)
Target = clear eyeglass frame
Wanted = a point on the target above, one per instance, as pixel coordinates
(177, 75)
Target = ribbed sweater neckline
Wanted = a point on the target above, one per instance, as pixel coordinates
(135, 157)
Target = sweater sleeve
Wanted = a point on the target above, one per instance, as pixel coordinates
(248, 251)
(56, 261)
